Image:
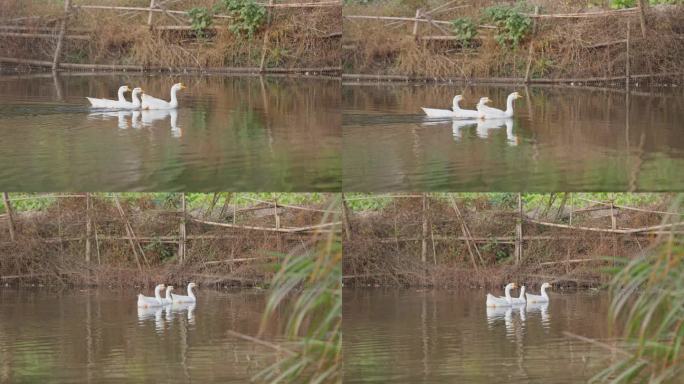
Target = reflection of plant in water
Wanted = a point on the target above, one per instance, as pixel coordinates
(648, 293)
(314, 278)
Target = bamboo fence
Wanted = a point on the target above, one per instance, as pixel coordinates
(155, 7)
(520, 239)
(181, 238)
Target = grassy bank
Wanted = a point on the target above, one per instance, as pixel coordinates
(493, 39)
(141, 239)
(453, 240)
(195, 34)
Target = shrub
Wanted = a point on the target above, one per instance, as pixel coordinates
(247, 15)
(200, 20)
(465, 30)
(512, 26)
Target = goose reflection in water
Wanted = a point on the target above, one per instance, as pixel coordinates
(166, 314)
(495, 314)
(121, 116)
(543, 310)
(140, 119)
(484, 126)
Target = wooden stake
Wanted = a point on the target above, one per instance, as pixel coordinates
(88, 229)
(345, 218)
(423, 249)
(531, 50)
(519, 233)
(10, 214)
(643, 6)
(62, 32)
(129, 231)
(627, 64)
(149, 16)
(183, 236)
(415, 23)
(264, 45)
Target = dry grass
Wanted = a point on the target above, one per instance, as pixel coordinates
(298, 38)
(562, 46)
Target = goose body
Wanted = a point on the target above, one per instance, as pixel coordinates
(487, 112)
(520, 299)
(190, 298)
(167, 299)
(156, 301)
(497, 301)
(543, 298)
(149, 102)
(135, 102)
(455, 112)
(121, 101)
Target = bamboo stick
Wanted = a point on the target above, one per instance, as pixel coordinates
(88, 229)
(44, 36)
(60, 39)
(268, 229)
(182, 237)
(423, 248)
(593, 229)
(627, 64)
(149, 16)
(618, 12)
(414, 19)
(345, 219)
(10, 214)
(129, 231)
(643, 6)
(142, 68)
(503, 80)
(531, 49)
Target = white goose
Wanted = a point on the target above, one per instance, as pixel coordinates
(543, 298)
(520, 299)
(486, 112)
(149, 102)
(112, 104)
(190, 298)
(456, 111)
(167, 299)
(156, 301)
(135, 100)
(494, 301)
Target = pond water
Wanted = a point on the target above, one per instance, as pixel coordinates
(560, 139)
(434, 336)
(101, 336)
(229, 133)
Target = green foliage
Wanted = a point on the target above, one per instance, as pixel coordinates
(621, 4)
(314, 279)
(648, 295)
(465, 29)
(247, 16)
(200, 20)
(511, 25)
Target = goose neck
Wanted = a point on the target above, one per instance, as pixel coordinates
(509, 105)
(174, 99)
(120, 94)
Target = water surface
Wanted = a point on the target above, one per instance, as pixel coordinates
(561, 139)
(229, 133)
(410, 336)
(101, 336)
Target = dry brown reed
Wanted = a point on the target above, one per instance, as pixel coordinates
(297, 38)
(377, 254)
(563, 48)
(50, 245)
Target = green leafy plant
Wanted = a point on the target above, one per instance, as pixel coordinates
(465, 30)
(511, 25)
(247, 16)
(201, 19)
(618, 4)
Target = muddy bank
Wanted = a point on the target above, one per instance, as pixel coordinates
(404, 245)
(474, 43)
(140, 241)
